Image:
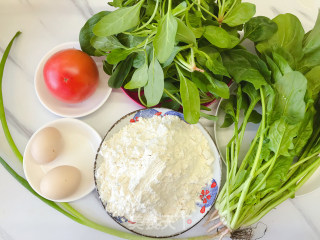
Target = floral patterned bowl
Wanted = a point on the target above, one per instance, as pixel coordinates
(207, 195)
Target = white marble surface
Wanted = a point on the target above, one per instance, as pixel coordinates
(45, 24)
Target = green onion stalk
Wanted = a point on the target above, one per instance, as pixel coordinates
(64, 207)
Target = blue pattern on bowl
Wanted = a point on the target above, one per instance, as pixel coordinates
(146, 113)
(209, 190)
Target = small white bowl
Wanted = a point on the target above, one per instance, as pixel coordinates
(80, 146)
(63, 109)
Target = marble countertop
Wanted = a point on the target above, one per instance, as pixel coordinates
(45, 24)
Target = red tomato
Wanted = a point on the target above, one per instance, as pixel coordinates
(71, 75)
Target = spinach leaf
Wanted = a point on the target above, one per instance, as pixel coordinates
(244, 66)
(105, 44)
(312, 40)
(118, 21)
(164, 40)
(200, 80)
(139, 59)
(86, 34)
(228, 121)
(173, 54)
(179, 9)
(219, 37)
(305, 131)
(215, 65)
(120, 73)
(278, 175)
(228, 107)
(310, 60)
(139, 78)
(208, 116)
(118, 55)
(116, 3)
(190, 99)
(289, 37)
(281, 136)
(259, 29)
(289, 102)
(276, 73)
(282, 64)
(240, 14)
(154, 89)
(217, 87)
(252, 93)
(185, 34)
(107, 68)
(203, 52)
(130, 41)
(255, 117)
(313, 77)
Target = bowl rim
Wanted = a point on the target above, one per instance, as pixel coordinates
(138, 233)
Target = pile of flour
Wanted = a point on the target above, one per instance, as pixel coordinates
(153, 170)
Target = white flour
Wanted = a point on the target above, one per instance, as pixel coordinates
(154, 170)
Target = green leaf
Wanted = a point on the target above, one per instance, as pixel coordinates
(289, 102)
(287, 40)
(116, 3)
(164, 40)
(208, 116)
(107, 68)
(121, 72)
(279, 174)
(259, 29)
(252, 93)
(244, 66)
(216, 67)
(240, 14)
(312, 40)
(185, 34)
(313, 77)
(305, 131)
(105, 44)
(139, 78)
(118, 21)
(190, 99)
(282, 64)
(228, 121)
(216, 87)
(281, 136)
(219, 37)
(180, 8)
(241, 177)
(175, 51)
(255, 117)
(139, 59)
(228, 106)
(118, 55)
(154, 89)
(276, 73)
(200, 80)
(310, 60)
(86, 34)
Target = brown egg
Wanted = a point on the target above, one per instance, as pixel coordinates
(46, 145)
(60, 182)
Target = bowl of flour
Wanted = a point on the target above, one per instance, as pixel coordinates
(155, 174)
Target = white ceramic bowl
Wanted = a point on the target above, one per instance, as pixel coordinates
(75, 110)
(183, 224)
(80, 146)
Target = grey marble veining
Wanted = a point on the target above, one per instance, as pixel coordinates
(18, 124)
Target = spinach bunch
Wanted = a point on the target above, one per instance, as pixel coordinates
(286, 149)
(170, 51)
